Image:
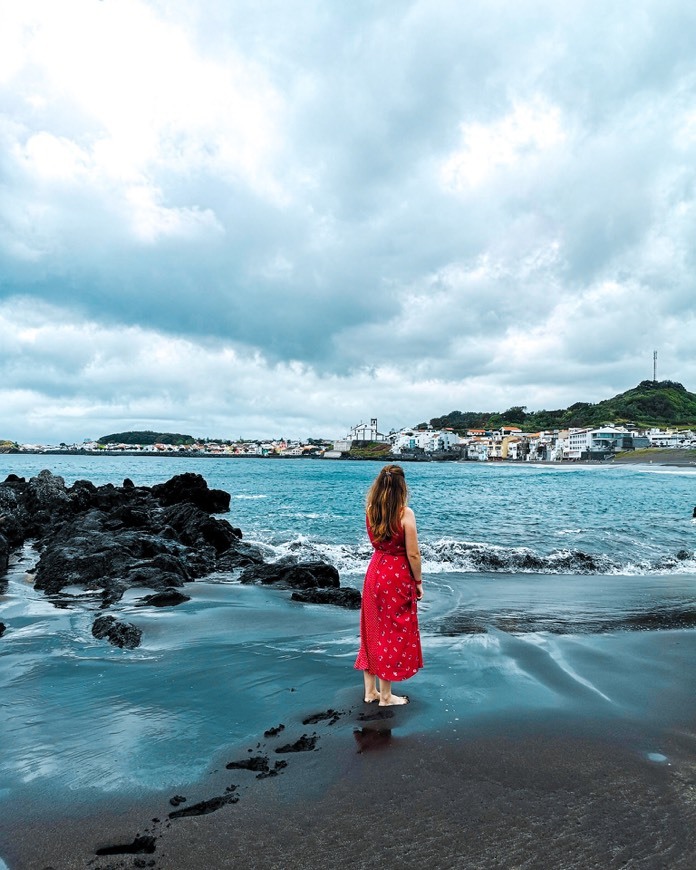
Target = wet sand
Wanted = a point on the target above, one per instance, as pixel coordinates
(519, 750)
(658, 456)
(536, 792)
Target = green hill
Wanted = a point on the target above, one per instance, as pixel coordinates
(146, 437)
(369, 450)
(651, 403)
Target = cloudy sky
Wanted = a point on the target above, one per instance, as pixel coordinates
(282, 217)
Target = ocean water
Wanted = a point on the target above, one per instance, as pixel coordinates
(565, 589)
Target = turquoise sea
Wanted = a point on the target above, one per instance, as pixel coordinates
(548, 590)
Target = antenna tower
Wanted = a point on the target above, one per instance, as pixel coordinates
(655, 366)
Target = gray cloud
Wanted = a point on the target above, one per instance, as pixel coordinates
(406, 207)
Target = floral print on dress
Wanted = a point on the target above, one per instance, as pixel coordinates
(390, 644)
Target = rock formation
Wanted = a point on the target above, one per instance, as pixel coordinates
(123, 634)
(112, 538)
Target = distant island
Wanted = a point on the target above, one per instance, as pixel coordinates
(651, 403)
(147, 437)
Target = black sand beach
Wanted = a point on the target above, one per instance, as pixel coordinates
(554, 725)
(550, 792)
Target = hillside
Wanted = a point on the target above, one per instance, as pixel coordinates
(146, 437)
(651, 403)
(369, 450)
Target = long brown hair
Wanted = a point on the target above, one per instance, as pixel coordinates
(385, 503)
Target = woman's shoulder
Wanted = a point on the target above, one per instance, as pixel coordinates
(408, 516)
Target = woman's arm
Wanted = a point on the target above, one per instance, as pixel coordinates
(412, 549)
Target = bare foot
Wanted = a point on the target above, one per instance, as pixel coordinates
(393, 700)
(371, 697)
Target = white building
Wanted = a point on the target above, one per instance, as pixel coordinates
(605, 438)
(429, 440)
(478, 450)
(366, 432)
(578, 443)
(670, 438)
(361, 432)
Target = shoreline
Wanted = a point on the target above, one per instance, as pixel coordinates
(658, 456)
(541, 789)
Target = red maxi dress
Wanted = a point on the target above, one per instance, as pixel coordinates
(390, 644)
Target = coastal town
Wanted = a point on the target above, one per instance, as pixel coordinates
(421, 443)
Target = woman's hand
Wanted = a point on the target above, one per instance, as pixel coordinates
(419, 591)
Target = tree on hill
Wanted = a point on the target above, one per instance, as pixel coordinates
(661, 402)
(146, 437)
(650, 403)
(516, 414)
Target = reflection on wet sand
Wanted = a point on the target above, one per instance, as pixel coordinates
(372, 738)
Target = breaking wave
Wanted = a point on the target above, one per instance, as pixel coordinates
(448, 555)
(451, 555)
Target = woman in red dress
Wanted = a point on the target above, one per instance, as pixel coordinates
(390, 648)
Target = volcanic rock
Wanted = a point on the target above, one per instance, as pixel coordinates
(194, 489)
(303, 744)
(121, 634)
(112, 538)
(300, 575)
(4, 553)
(204, 807)
(194, 527)
(330, 715)
(344, 597)
(168, 598)
(256, 763)
(240, 555)
(139, 846)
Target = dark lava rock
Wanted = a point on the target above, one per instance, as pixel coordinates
(3, 628)
(194, 489)
(108, 539)
(240, 555)
(345, 597)
(13, 513)
(121, 634)
(47, 491)
(266, 774)
(332, 715)
(277, 767)
(177, 800)
(274, 732)
(83, 552)
(139, 846)
(205, 807)
(4, 553)
(194, 527)
(258, 762)
(304, 744)
(88, 550)
(168, 598)
(301, 575)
